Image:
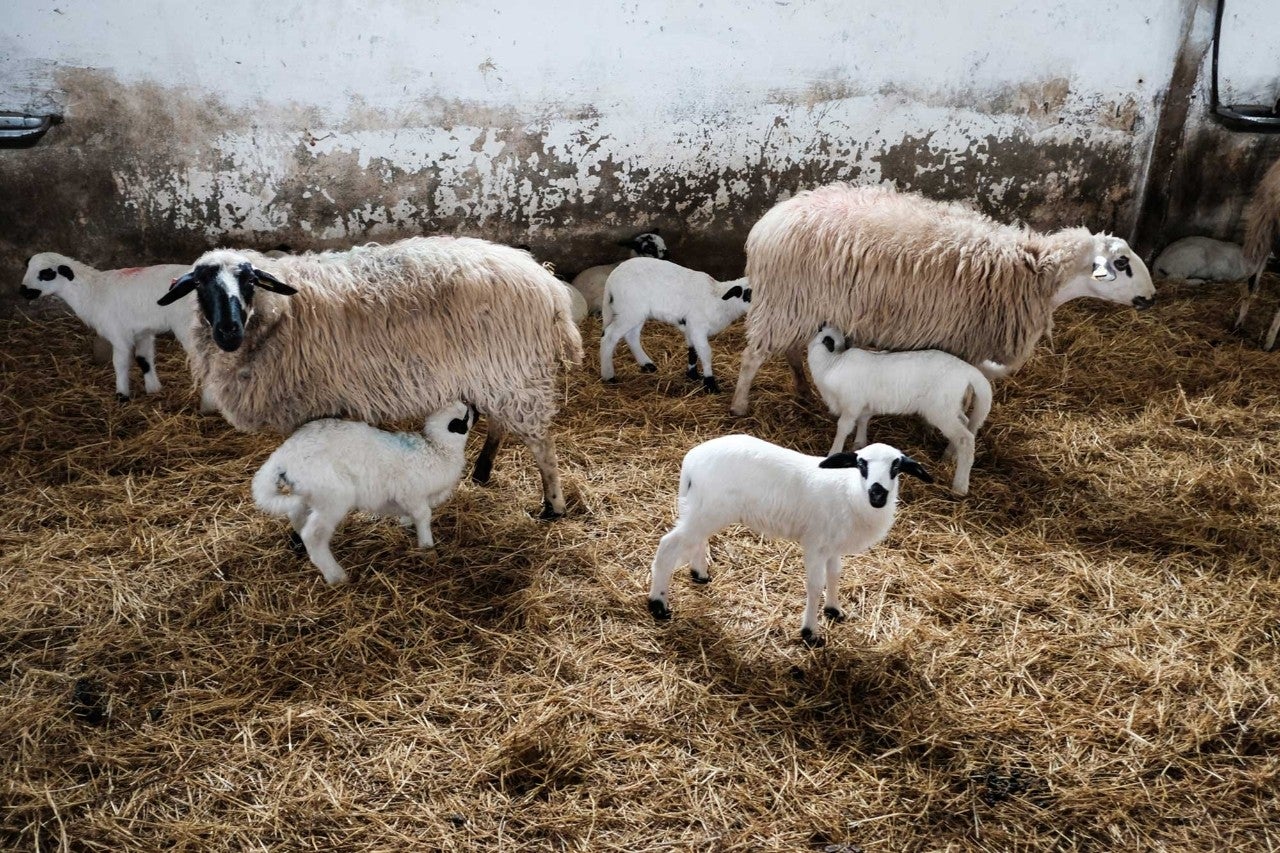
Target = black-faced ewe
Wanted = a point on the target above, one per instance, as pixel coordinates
(1261, 240)
(330, 467)
(384, 332)
(591, 281)
(843, 504)
(857, 384)
(901, 272)
(649, 289)
(120, 305)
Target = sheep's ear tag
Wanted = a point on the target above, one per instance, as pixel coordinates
(1102, 269)
(914, 468)
(269, 282)
(732, 293)
(840, 460)
(829, 343)
(179, 288)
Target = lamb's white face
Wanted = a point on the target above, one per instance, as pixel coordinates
(46, 273)
(880, 466)
(1119, 275)
(456, 419)
(829, 338)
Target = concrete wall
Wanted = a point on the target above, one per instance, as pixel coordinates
(563, 125)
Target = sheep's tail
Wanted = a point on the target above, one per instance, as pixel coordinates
(570, 337)
(267, 490)
(606, 306)
(981, 404)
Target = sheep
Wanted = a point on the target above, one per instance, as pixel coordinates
(120, 306)
(1261, 239)
(591, 281)
(780, 493)
(647, 288)
(1201, 259)
(899, 271)
(856, 384)
(384, 332)
(577, 303)
(330, 467)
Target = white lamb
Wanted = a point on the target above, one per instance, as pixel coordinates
(330, 467)
(120, 305)
(1201, 259)
(856, 384)
(646, 288)
(843, 504)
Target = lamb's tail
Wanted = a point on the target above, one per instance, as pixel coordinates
(606, 306)
(271, 487)
(981, 404)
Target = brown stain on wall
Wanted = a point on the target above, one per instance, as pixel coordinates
(72, 186)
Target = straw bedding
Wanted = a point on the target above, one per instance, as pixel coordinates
(1081, 655)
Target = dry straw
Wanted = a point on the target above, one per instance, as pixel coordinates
(1082, 655)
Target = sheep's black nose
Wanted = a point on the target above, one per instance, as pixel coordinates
(29, 292)
(877, 494)
(228, 339)
(1142, 303)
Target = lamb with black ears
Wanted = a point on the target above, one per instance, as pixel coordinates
(843, 504)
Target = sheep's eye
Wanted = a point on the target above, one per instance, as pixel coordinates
(1122, 263)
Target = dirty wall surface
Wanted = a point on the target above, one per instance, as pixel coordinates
(563, 126)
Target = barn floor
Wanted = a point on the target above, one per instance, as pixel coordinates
(1085, 653)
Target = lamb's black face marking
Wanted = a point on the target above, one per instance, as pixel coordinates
(746, 296)
(65, 272)
(681, 321)
(29, 292)
(829, 342)
(1122, 263)
(650, 245)
(144, 364)
(734, 292)
(47, 274)
(459, 425)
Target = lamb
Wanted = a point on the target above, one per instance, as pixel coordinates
(384, 332)
(591, 281)
(1201, 259)
(646, 288)
(856, 384)
(1261, 239)
(330, 467)
(120, 306)
(902, 272)
(830, 511)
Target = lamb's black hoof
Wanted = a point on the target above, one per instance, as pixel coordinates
(548, 512)
(612, 380)
(692, 374)
(659, 610)
(700, 579)
(710, 385)
(649, 368)
(482, 472)
(812, 640)
(122, 398)
(296, 545)
(835, 614)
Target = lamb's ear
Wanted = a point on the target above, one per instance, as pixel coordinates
(733, 292)
(840, 460)
(179, 288)
(269, 282)
(629, 243)
(914, 468)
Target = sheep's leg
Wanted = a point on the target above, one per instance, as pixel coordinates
(831, 605)
(632, 338)
(963, 442)
(795, 360)
(608, 343)
(544, 456)
(864, 420)
(122, 360)
(692, 373)
(815, 572)
(702, 347)
(422, 524)
(492, 443)
(145, 356)
(752, 358)
(843, 427)
(1270, 342)
(681, 544)
(298, 520)
(1250, 291)
(315, 536)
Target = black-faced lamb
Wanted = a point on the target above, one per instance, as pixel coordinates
(382, 332)
(901, 272)
(591, 281)
(120, 305)
(1261, 240)
(330, 467)
(843, 504)
(643, 289)
(857, 384)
